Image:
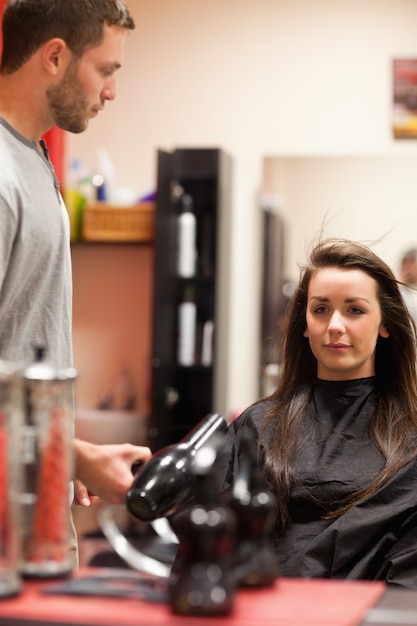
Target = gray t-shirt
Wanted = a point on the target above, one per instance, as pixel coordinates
(35, 260)
(35, 256)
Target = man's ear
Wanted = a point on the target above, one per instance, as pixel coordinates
(55, 56)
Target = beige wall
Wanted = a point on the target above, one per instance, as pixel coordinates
(259, 78)
(112, 320)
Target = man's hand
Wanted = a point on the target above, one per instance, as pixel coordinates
(105, 471)
(82, 497)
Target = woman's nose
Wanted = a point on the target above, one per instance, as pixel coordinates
(336, 323)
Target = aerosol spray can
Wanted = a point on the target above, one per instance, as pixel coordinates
(46, 458)
(10, 481)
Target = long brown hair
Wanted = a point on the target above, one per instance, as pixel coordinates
(394, 423)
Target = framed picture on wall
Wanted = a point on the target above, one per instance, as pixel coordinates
(405, 98)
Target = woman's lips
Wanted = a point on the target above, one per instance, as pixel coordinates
(337, 347)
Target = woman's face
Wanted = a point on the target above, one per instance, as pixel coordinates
(343, 322)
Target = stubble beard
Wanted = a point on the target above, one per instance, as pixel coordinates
(68, 103)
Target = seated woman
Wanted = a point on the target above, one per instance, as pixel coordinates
(337, 439)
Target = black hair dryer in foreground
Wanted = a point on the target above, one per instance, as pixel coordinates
(165, 481)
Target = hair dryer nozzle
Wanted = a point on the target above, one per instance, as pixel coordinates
(165, 481)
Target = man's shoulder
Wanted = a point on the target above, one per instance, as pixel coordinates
(9, 148)
(11, 141)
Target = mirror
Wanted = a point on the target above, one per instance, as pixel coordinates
(372, 199)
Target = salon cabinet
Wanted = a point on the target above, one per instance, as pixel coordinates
(182, 394)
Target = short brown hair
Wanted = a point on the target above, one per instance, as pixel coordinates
(27, 24)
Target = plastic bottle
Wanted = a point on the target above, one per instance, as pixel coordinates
(207, 344)
(105, 171)
(187, 233)
(75, 199)
(187, 328)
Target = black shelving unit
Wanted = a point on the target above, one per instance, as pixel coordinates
(182, 395)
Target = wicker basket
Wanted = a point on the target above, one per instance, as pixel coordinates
(105, 222)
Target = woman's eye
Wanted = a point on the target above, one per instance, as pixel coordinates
(356, 310)
(320, 309)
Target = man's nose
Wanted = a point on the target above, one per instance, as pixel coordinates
(109, 90)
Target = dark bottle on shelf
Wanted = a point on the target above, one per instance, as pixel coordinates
(165, 481)
(202, 581)
(254, 505)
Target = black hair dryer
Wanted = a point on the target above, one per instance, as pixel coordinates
(165, 481)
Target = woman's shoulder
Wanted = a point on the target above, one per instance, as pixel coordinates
(253, 416)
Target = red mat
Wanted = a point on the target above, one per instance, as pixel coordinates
(291, 602)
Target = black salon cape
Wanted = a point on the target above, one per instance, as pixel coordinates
(376, 540)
